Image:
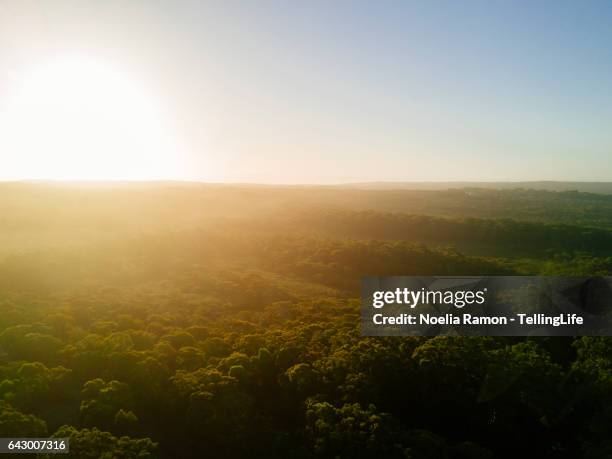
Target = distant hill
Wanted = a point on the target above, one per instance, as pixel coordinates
(584, 187)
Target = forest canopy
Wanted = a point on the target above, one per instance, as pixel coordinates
(161, 321)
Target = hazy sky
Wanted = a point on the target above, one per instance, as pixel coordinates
(308, 92)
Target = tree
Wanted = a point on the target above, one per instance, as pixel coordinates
(96, 444)
(16, 424)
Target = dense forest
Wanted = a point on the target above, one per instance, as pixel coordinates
(179, 321)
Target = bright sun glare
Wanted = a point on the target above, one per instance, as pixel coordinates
(82, 119)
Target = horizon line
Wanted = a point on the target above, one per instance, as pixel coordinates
(262, 183)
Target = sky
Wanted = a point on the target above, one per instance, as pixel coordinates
(306, 92)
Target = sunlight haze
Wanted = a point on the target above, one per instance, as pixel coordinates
(80, 119)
